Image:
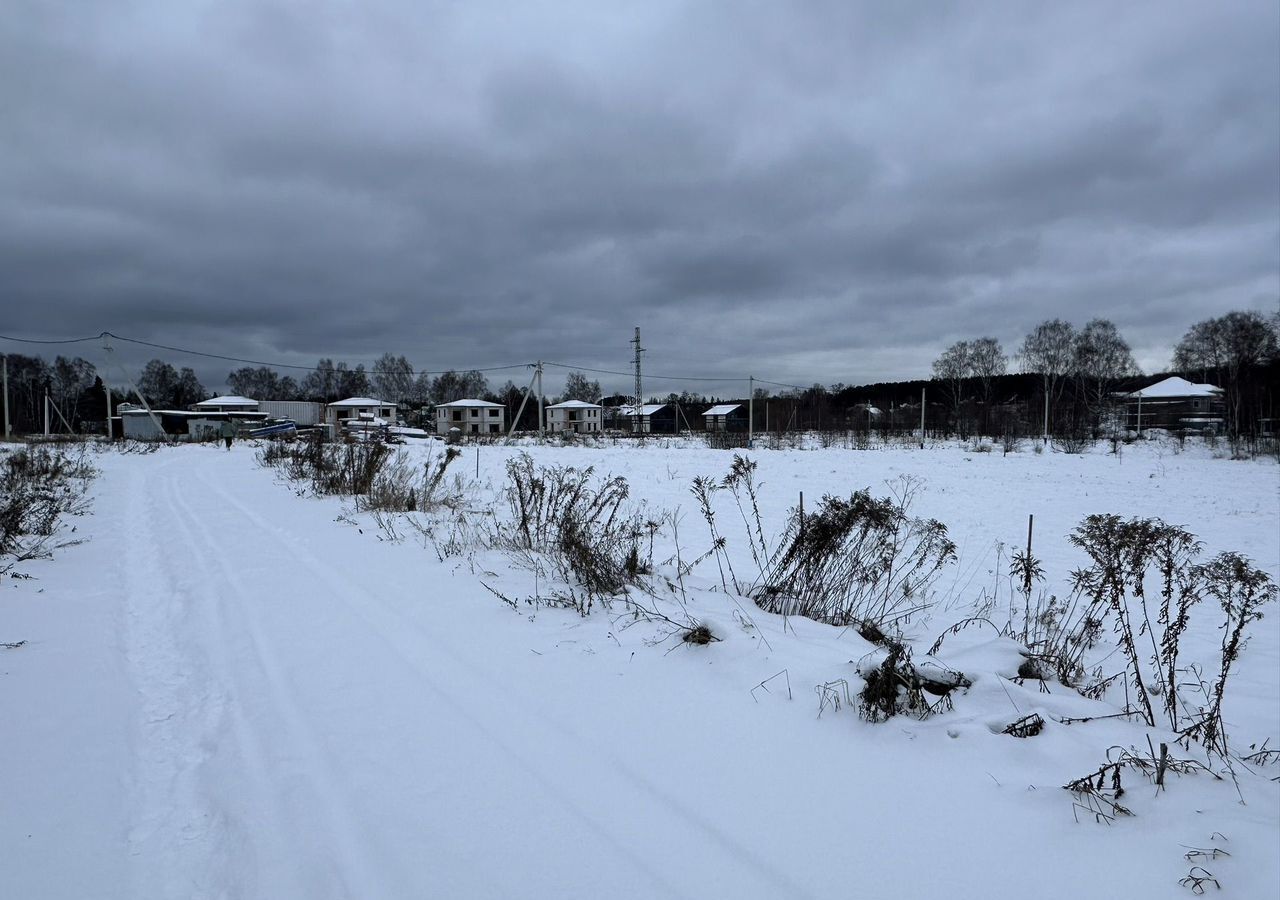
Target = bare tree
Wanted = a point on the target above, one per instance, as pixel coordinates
(321, 383)
(352, 382)
(451, 385)
(987, 362)
(1048, 351)
(256, 382)
(158, 382)
(1102, 357)
(1231, 347)
(577, 387)
(189, 390)
(1201, 351)
(952, 368)
(393, 378)
(421, 390)
(71, 378)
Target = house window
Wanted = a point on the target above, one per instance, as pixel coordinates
(475, 413)
(493, 428)
(457, 415)
(493, 414)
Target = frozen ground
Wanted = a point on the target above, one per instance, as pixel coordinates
(228, 692)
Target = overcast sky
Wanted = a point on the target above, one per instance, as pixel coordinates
(806, 192)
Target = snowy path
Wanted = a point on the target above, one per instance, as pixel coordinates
(240, 698)
(263, 772)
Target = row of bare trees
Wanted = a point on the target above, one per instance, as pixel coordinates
(1079, 371)
(1239, 352)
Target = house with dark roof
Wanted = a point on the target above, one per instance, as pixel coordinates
(726, 417)
(1175, 404)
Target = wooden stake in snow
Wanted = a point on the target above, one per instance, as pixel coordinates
(1026, 587)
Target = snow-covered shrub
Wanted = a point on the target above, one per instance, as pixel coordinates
(38, 488)
(402, 487)
(563, 515)
(346, 469)
(860, 561)
(1130, 559)
(897, 686)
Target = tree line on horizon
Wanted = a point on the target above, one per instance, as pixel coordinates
(972, 391)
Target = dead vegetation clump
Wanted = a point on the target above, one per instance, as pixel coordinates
(897, 686)
(699, 634)
(382, 476)
(577, 524)
(859, 561)
(39, 488)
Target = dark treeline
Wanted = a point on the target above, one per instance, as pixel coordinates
(72, 385)
(1070, 379)
(1069, 388)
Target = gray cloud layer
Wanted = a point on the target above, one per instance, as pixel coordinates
(805, 192)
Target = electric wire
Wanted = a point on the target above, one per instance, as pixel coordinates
(186, 351)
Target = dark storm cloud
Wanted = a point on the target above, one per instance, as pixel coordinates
(815, 193)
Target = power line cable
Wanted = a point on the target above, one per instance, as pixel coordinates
(186, 351)
(647, 375)
(18, 340)
(276, 365)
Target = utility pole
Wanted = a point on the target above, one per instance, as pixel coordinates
(922, 418)
(5, 359)
(106, 389)
(46, 413)
(635, 419)
(1045, 438)
(751, 409)
(541, 414)
(520, 411)
(151, 414)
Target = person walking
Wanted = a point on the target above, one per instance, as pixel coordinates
(227, 431)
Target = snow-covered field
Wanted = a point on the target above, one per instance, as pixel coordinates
(231, 690)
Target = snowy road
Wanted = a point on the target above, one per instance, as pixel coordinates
(241, 698)
(303, 739)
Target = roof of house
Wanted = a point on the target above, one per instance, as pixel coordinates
(574, 404)
(1176, 387)
(649, 409)
(229, 400)
(483, 403)
(723, 409)
(359, 401)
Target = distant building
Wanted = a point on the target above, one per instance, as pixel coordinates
(649, 418)
(180, 424)
(1174, 404)
(229, 403)
(576, 416)
(302, 412)
(336, 414)
(471, 417)
(726, 417)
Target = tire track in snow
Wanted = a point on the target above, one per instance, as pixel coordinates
(395, 629)
(320, 857)
(174, 833)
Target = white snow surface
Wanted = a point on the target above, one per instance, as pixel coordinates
(228, 400)
(228, 692)
(358, 401)
(1175, 386)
